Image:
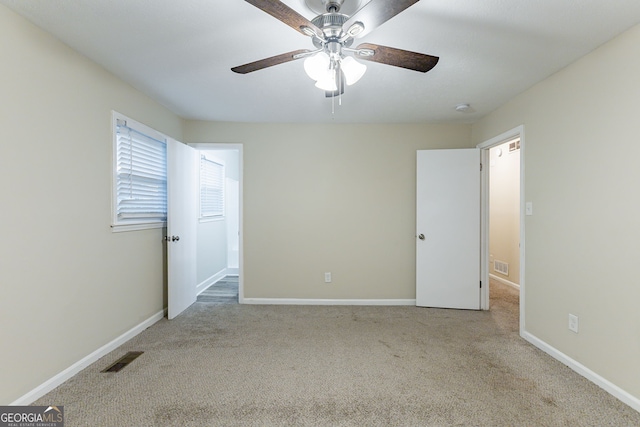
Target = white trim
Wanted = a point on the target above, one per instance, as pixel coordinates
(72, 370)
(119, 228)
(304, 301)
(624, 396)
(205, 219)
(504, 281)
(233, 271)
(202, 286)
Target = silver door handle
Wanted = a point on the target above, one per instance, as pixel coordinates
(421, 236)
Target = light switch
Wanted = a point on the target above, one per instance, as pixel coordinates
(528, 209)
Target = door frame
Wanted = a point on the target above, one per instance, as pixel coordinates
(239, 147)
(485, 147)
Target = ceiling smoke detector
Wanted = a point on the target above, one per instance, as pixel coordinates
(464, 108)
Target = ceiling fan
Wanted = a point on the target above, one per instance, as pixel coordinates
(332, 62)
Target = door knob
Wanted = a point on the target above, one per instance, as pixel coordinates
(175, 238)
(421, 236)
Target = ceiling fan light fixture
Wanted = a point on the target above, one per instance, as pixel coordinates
(316, 66)
(353, 70)
(332, 32)
(328, 81)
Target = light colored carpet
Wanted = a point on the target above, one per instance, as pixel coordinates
(239, 365)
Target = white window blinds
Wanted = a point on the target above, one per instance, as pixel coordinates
(211, 188)
(141, 176)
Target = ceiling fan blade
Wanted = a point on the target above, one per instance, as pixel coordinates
(398, 57)
(376, 13)
(269, 62)
(285, 14)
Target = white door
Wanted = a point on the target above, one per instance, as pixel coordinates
(448, 229)
(181, 226)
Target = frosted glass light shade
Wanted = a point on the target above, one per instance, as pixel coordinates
(316, 66)
(353, 70)
(328, 81)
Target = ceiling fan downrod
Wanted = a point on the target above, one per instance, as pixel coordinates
(333, 6)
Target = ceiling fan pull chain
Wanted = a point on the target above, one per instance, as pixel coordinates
(333, 104)
(340, 90)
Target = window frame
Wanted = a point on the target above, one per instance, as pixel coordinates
(119, 225)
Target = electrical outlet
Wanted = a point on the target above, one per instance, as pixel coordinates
(573, 323)
(327, 277)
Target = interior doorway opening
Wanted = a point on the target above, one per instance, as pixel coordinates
(504, 230)
(502, 218)
(504, 214)
(219, 243)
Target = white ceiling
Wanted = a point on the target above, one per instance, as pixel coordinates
(180, 53)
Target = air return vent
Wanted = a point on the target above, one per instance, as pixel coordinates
(515, 145)
(501, 267)
(123, 361)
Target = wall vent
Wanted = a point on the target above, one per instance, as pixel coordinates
(515, 145)
(501, 267)
(123, 361)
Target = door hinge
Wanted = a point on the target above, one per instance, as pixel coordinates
(480, 284)
(480, 167)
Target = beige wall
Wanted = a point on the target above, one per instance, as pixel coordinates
(504, 211)
(69, 285)
(583, 241)
(329, 198)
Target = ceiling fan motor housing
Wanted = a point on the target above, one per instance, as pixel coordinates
(331, 26)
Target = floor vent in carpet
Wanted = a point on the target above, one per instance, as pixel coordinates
(123, 361)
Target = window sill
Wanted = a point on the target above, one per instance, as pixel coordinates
(211, 219)
(119, 228)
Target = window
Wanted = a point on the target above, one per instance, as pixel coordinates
(140, 176)
(211, 188)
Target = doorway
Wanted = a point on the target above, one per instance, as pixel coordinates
(504, 214)
(502, 259)
(219, 243)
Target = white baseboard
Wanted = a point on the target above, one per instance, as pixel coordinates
(210, 281)
(607, 385)
(304, 301)
(233, 271)
(504, 281)
(72, 370)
